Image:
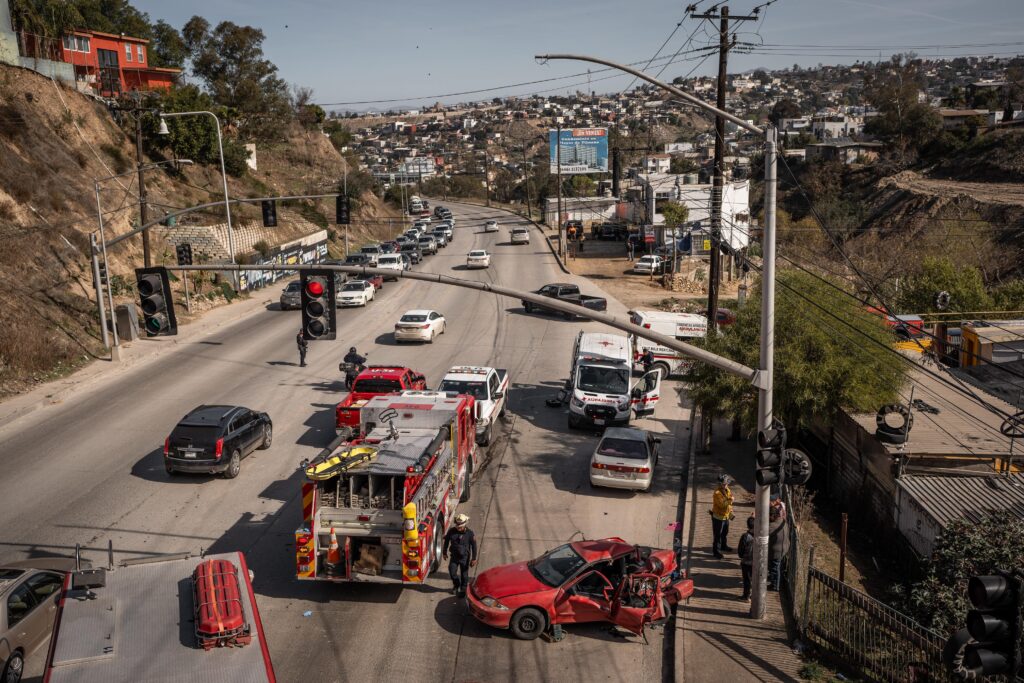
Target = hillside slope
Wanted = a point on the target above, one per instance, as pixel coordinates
(54, 142)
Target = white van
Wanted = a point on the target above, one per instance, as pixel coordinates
(682, 326)
(601, 374)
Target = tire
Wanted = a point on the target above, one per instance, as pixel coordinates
(663, 368)
(574, 422)
(234, 465)
(485, 440)
(567, 316)
(170, 471)
(466, 489)
(432, 335)
(437, 542)
(528, 623)
(504, 407)
(667, 609)
(528, 307)
(15, 667)
(444, 326)
(268, 437)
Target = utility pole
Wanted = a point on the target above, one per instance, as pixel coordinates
(142, 188)
(718, 179)
(526, 177)
(558, 168)
(487, 175)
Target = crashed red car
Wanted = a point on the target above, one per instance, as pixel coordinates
(585, 581)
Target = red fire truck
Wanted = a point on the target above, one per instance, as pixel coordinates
(375, 380)
(376, 508)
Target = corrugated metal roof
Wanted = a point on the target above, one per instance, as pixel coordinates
(961, 427)
(946, 498)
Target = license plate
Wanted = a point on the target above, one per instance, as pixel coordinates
(391, 540)
(189, 454)
(619, 475)
(598, 421)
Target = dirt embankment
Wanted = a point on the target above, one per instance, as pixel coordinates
(54, 143)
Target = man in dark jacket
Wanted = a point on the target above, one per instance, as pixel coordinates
(460, 542)
(303, 347)
(745, 550)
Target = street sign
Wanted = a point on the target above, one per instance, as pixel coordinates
(707, 245)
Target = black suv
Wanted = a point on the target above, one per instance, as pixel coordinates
(358, 260)
(214, 439)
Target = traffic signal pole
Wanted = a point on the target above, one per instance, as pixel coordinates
(762, 378)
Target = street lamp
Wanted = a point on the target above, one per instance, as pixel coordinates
(763, 379)
(223, 173)
(115, 350)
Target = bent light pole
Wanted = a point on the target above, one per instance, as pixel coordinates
(762, 379)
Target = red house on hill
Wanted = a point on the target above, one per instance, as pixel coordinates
(113, 64)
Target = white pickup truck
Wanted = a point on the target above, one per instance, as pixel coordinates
(489, 386)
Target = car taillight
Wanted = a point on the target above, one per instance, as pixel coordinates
(647, 326)
(218, 449)
(167, 447)
(620, 468)
(424, 327)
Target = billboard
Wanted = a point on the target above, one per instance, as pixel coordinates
(583, 150)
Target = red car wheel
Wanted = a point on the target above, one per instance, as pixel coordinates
(528, 623)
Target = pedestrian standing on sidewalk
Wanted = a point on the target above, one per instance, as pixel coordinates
(303, 347)
(630, 248)
(461, 543)
(745, 550)
(778, 545)
(721, 513)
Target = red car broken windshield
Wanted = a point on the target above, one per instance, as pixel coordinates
(557, 566)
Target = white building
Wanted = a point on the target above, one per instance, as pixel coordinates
(662, 187)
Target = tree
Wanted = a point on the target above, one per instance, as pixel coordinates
(903, 122)
(679, 165)
(308, 115)
(582, 186)
(229, 60)
(784, 109)
(1010, 296)
(821, 366)
(939, 274)
(964, 549)
(675, 214)
(194, 137)
(167, 48)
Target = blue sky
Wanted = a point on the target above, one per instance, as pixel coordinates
(356, 50)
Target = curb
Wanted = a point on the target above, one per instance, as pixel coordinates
(687, 531)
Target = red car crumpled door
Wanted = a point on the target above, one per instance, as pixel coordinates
(574, 607)
(637, 602)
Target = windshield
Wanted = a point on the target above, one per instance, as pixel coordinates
(357, 286)
(623, 448)
(477, 390)
(376, 386)
(647, 259)
(413, 319)
(558, 566)
(294, 287)
(426, 240)
(603, 380)
(370, 250)
(477, 254)
(390, 259)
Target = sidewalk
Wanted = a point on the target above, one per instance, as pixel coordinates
(719, 640)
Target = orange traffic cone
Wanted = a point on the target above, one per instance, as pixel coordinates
(333, 554)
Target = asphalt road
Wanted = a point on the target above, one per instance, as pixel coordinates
(90, 469)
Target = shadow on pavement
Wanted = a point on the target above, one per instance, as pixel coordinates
(320, 426)
(282, 362)
(151, 468)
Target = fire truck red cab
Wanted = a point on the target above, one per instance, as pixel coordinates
(376, 380)
(376, 508)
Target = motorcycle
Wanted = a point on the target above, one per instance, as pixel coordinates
(351, 371)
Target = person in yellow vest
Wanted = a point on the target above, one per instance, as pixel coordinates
(721, 513)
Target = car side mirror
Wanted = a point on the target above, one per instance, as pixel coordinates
(499, 394)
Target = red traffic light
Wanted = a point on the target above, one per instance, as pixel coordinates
(315, 288)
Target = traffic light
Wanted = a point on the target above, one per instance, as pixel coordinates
(771, 443)
(269, 213)
(103, 273)
(319, 317)
(341, 210)
(796, 466)
(184, 252)
(157, 304)
(995, 624)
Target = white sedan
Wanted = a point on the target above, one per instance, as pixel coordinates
(419, 325)
(356, 293)
(478, 258)
(491, 226)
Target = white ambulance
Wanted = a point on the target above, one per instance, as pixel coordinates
(601, 382)
(683, 326)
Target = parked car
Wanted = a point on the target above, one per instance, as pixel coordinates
(478, 258)
(291, 296)
(30, 591)
(650, 264)
(428, 245)
(412, 249)
(624, 459)
(356, 293)
(403, 240)
(419, 325)
(448, 227)
(389, 247)
(491, 226)
(519, 235)
(585, 581)
(440, 237)
(391, 262)
(376, 280)
(570, 293)
(359, 259)
(406, 261)
(413, 234)
(439, 210)
(214, 439)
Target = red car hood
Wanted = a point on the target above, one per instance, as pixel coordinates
(507, 580)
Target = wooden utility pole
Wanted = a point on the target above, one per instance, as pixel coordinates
(718, 179)
(558, 165)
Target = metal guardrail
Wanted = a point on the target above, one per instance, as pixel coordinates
(881, 643)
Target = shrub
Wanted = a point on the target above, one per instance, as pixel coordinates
(262, 248)
(116, 154)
